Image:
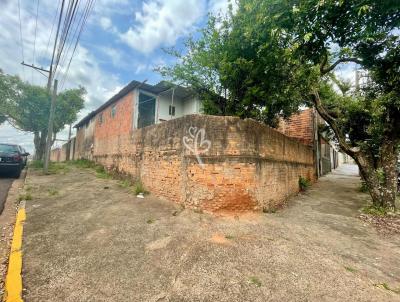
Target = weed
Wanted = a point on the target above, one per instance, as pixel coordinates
(374, 210)
(230, 237)
(387, 287)
(26, 196)
(254, 280)
(52, 192)
(304, 183)
(125, 183)
(139, 188)
(83, 163)
(150, 221)
(36, 164)
(102, 173)
(350, 269)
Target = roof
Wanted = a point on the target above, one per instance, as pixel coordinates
(159, 88)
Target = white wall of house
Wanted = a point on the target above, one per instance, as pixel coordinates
(182, 107)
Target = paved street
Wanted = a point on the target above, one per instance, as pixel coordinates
(5, 184)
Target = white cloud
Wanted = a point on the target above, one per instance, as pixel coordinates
(162, 22)
(221, 6)
(84, 70)
(105, 23)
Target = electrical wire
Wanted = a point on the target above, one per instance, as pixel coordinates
(22, 41)
(34, 41)
(86, 14)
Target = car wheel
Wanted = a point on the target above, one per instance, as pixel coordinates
(17, 173)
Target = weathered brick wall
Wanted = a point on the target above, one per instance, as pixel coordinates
(299, 126)
(248, 165)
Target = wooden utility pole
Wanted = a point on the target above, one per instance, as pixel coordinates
(50, 128)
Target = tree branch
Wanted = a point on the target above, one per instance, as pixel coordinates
(332, 123)
(325, 70)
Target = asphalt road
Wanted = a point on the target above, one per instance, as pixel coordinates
(5, 184)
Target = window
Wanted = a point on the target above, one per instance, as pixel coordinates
(113, 110)
(147, 110)
(100, 118)
(171, 110)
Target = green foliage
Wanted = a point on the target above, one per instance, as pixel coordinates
(139, 188)
(36, 164)
(26, 196)
(27, 107)
(304, 183)
(254, 280)
(374, 210)
(363, 187)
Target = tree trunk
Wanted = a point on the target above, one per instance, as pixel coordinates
(39, 140)
(381, 186)
(389, 158)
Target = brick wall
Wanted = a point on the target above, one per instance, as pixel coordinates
(299, 126)
(247, 167)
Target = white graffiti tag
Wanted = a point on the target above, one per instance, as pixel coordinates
(197, 143)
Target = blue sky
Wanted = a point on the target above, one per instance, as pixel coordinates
(122, 41)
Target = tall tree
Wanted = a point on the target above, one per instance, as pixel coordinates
(27, 107)
(272, 55)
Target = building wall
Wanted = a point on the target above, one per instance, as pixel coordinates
(247, 165)
(299, 126)
(85, 140)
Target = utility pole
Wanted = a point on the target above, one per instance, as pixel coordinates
(50, 128)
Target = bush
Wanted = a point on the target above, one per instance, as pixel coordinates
(304, 183)
(139, 188)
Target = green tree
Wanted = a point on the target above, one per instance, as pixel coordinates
(27, 107)
(273, 55)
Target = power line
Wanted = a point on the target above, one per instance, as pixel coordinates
(20, 34)
(52, 27)
(55, 45)
(85, 17)
(67, 25)
(34, 41)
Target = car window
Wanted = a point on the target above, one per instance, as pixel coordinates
(8, 148)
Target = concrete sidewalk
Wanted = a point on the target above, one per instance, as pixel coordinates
(88, 239)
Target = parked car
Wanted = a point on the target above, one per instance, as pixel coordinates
(24, 155)
(12, 159)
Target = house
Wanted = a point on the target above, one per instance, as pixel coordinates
(136, 106)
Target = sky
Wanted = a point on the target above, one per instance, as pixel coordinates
(122, 41)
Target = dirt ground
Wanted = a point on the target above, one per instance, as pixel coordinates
(88, 239)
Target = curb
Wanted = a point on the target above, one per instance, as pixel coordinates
(13, 281)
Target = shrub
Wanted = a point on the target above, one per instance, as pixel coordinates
(304, 183)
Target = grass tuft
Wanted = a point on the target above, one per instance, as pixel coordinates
(254, 280)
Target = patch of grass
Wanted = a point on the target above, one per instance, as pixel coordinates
(83, 163)
(254, 280)
(52, 192)
(150, 221)
(101, 172)
(374, 210)
(139, 188)
(26, 196)
(36, 164)
(387, 287)
(304, 183)
(125, 183)
(230, 237)
(350, 269)
(59, 168)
